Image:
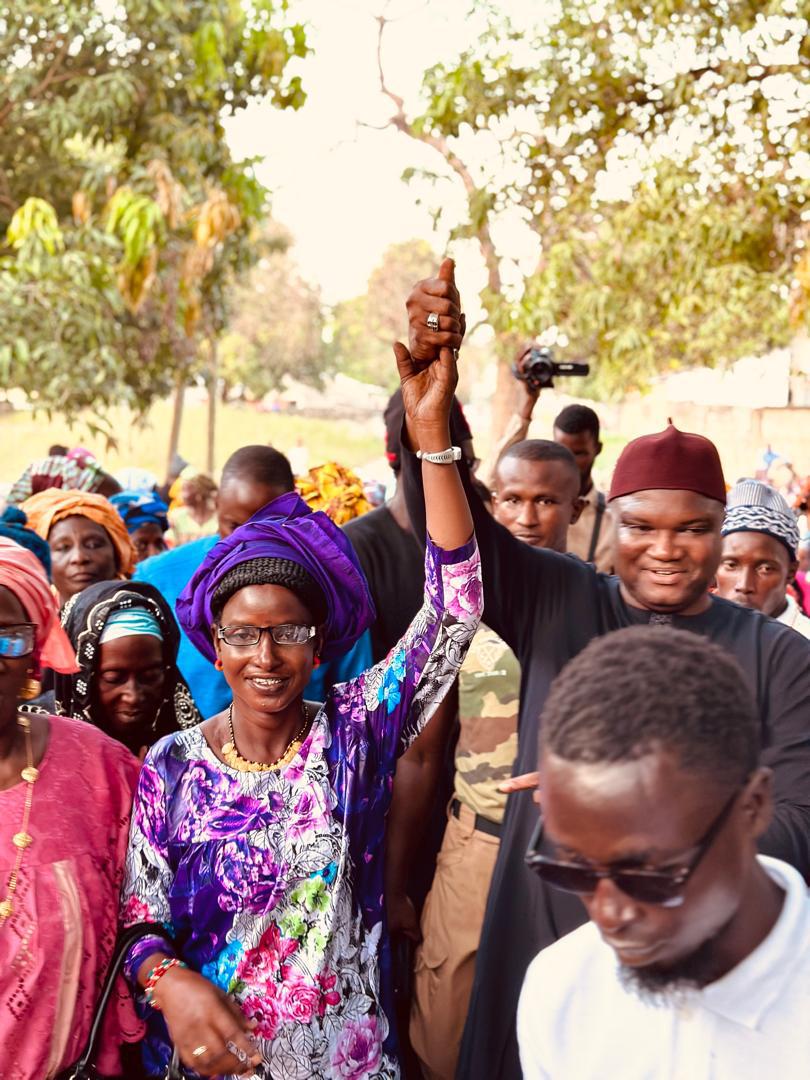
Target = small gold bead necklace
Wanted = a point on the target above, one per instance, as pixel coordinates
(22, 839)
(233, 758)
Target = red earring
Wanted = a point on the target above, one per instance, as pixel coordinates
(316, 661)
(218, 665)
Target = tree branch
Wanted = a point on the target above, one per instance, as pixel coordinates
(439, 143)
(49, 78)
(399, 116)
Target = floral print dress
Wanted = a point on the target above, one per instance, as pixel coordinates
(271, 884)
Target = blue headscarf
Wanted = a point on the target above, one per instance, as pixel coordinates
(130, 622)
(13, 525)
(138, 508)
(286, 529)
(86, 618)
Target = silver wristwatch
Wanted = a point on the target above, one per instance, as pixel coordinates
(441, 457)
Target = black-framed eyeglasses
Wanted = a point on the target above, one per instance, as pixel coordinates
(284, 634)
(17, 640)
(662, 887)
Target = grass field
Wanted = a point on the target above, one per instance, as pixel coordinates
(24, 436)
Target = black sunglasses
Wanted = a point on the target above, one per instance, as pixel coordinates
(664, 888)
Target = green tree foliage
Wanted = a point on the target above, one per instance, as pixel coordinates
(276, 327)
(658, 151)
(125, 218)
(364, 327)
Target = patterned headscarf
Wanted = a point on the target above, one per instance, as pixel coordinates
(336, 490)
(56, 471)
(48, 507)
(285, 529)
(22, 574)
(85, 617)
(138, 508)
(754, 506)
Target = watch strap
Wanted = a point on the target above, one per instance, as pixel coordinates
(441, 457)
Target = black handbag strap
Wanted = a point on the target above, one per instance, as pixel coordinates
(126, 939)
(597, 526)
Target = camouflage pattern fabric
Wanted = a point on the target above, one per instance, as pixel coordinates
(488, 693)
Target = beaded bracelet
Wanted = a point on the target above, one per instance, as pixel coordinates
(154, 977)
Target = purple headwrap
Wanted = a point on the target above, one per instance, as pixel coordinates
(285, 529)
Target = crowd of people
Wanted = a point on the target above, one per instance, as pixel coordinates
(257, 734)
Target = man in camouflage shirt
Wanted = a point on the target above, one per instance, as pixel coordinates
(536, 496)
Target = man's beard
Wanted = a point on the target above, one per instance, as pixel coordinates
(669, 987)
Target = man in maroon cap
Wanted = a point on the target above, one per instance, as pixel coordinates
(667, 502)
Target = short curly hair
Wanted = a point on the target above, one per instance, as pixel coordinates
(649, 687)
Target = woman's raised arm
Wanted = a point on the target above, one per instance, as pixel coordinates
(427, 392)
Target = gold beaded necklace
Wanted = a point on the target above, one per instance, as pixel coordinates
(22, 839)
(236, 761)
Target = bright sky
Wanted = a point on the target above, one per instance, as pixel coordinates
(338, 187)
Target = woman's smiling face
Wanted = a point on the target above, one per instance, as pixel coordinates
(267, 677)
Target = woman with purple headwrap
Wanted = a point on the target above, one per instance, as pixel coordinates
(257, 839)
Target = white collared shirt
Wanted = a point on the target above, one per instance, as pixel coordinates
(793, 616)
(577, 1022)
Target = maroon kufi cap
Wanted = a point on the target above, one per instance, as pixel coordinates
(671, 460)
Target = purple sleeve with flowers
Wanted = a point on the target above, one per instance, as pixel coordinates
(396, 698)
(151, 905)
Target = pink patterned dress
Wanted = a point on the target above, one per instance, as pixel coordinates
(55, 947)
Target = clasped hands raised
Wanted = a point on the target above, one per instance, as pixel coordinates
(427, 369)
(428, 373)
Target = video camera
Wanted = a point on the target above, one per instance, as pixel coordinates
(539, 371)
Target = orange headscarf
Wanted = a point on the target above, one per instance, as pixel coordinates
(22, 573)
(47, 507)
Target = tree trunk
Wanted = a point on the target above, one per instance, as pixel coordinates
(177, 419)
(506, 391)
(212, 404)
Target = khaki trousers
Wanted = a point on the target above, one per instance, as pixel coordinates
(451, 929)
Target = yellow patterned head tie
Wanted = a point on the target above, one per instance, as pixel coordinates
(335, 490)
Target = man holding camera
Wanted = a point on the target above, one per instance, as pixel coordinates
(577, 429)
(667, 501)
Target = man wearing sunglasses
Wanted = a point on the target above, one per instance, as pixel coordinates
(653, 800)
(666, 505)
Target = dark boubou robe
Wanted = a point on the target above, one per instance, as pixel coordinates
(547, 607)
